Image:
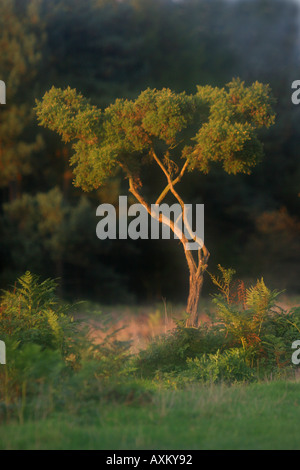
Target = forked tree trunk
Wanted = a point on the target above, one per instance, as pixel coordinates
(196, 283)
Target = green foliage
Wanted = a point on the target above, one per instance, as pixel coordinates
(86, 389)
(254, 321)
(244, 312)
(37, 228)
(29, 381)
(277, 336)
(49, 234)
(52, 361)
(223, 283)
(160, 114)
(21, 36)
(116, 137)
(53, 366)
(71, 115)
(127, 130)
(31, 313)
(34, 226)
(170, 352)
(111, 357)
(230, 135)
(230, 366)
(249, 337)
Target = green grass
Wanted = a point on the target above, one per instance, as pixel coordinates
(259, 416)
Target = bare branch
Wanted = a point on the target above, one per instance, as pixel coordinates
(160, 217)
(202, 260)
(175, 181)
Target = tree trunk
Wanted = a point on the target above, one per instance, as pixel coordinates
(197, 271)
(196, 282)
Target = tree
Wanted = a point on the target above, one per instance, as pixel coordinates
(21, 36)
(163, 128)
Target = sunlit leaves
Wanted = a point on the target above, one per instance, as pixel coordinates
(70, 114)
(227, 120)
(230, 135)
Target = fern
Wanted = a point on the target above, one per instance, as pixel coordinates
(31, 313)
(243, 311)
(260, 298)
(224, 282)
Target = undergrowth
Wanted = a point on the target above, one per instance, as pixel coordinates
(54, 365)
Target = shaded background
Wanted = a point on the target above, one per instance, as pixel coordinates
(110, 49)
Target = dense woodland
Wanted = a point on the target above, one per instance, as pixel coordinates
(110, 49)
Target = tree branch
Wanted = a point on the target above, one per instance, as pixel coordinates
(160, 217)
(203, 253)
(175, 181)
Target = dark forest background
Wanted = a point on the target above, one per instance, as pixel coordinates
(110, 49)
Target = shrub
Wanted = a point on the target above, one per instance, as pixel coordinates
(51, 361)
(32, 314)
(31, 376)
(230, 366)
(241, 311)
(250, 336)
(170, 352)
(253, 321)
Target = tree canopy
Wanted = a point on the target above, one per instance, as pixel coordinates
(126, 132)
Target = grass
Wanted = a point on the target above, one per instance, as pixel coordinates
(260, 416)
